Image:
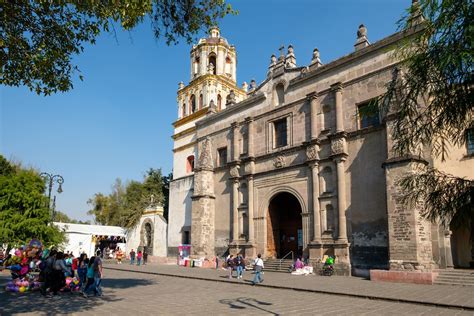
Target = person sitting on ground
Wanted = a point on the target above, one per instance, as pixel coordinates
(299, 264)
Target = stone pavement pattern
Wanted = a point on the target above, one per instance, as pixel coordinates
(431, 294)
(128, 293)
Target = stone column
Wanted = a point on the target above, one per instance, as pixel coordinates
(235, 141)
(250, 208)
(250, 129)
(235, 209)
(337, 87)
(203, 204)
(316, 210)
(341, 198)
(314, 104)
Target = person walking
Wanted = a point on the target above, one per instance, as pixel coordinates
(98, 275)
(118, 256)
(132, 257)
(258, 263)
(58, 276)
(145, 257)
(82, 270)
(139, 257)
(47, 272)
(239, 263)
(230, 265)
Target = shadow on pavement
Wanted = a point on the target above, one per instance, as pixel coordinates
(125, 283)
(64, 302)
(242, 303)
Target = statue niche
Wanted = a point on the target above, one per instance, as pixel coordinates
(146, 237)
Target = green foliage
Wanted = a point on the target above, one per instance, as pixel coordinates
(446, 198)
(6, 168)
(432, 96)
(64, 218)
(39, 39)
(126, 203)
(437, 68)
(23, 210)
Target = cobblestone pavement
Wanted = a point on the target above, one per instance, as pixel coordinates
(130, 293)
(440, 295)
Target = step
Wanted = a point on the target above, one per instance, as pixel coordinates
(452, 283)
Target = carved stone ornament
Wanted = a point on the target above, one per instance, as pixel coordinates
(234, 171)
(312, 152)
(362, 31)
(337, 146)
(205, 157)
(279, 162)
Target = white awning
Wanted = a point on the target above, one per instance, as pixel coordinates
(100, 230)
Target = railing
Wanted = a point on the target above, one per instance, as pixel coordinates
(281, 260)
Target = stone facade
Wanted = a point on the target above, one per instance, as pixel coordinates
(293, 166)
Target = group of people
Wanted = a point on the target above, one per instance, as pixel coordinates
(238, 264)
(139, 256)
(58, 266)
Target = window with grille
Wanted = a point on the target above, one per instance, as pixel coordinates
(470, 141)
(222, 156)
(368, 115)
(280, 133)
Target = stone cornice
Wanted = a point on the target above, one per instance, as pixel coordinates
(191, 144)
(229, 83)
(384, 43)
(191, 117)
(404, 159)
(184, 133)
(232, 109)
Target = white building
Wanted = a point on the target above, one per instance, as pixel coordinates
(82, 238)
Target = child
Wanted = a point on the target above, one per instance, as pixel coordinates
(90, 276)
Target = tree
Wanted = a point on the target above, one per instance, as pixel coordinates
(39, 39)
(64, 218)
(24, 212)
(126, 203)
(432, 98)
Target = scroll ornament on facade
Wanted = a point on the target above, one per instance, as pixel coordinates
(234, 172)
(312, 152)
(205, 158)
(279, 162)
(337, 146)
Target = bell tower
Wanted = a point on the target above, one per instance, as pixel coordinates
(213, 75)
(212, 88)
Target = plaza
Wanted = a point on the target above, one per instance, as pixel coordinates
(154, 290)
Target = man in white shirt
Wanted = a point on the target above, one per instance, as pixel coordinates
(258, 270)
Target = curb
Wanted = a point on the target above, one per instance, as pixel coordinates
(370, 297)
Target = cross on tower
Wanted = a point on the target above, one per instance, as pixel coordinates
(282, 53)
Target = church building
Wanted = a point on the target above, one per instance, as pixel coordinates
(292, 165)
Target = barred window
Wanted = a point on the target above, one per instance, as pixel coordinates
(470, 141)
(280, 133)
(222, 156)
(368, 115)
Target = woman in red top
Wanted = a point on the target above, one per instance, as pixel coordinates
(139, 257)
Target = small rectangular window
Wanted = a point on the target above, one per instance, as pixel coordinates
(222, 156)
(368, 115)
(470, 141)
(280, 133)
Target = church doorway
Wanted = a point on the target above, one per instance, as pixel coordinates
(284, 226)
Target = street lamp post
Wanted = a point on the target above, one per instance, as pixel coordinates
(51, 180)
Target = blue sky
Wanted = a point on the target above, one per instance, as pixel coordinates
(117, 122)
